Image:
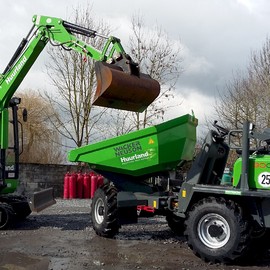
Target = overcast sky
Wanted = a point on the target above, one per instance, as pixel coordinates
(217, 37)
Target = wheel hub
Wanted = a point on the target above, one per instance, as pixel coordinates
(99, 211)
(213, 230)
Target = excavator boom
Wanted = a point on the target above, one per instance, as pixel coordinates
(120, 85)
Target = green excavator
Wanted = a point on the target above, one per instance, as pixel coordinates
(120, 85)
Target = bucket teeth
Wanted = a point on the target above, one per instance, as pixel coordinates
(119, 90)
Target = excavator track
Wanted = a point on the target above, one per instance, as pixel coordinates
(13, 208)
(7, 215)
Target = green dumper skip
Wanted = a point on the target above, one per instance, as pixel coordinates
(144, 152)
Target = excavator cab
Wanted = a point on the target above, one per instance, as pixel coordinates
(120, 85)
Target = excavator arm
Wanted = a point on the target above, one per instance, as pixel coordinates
(120, 84)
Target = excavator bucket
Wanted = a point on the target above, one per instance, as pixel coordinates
(119, 90)
(41, 200)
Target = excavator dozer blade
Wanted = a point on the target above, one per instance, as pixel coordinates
(41, 200)
(119, 90)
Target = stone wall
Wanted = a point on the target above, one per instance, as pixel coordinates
(35, 177)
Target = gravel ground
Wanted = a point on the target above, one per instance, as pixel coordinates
(61, 237)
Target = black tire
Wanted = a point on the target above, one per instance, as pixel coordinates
(104, 212)
(20, 207)
(176, 224)
(259, 246)
(6, 216)
(24, 211)
(217, 231)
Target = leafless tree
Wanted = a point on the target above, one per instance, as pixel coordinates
(73, 77)
(75, 82)
(246, 96)
(159, 56)
(259, 75)
(41, 142)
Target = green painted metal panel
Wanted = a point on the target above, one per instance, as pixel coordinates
(11, 80)
(258, 172)
(146, 151)
(11, 186)
(4, 128)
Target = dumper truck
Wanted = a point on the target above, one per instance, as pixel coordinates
(223, 221)
(120, 85)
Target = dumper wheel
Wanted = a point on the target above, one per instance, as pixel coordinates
(175, 223)
(217, 230)
(6, 215)
(104, 211)
(259, 247)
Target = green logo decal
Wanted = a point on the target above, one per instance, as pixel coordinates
(233, 192)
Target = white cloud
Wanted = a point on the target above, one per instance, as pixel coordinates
(120, 27)
(217, 36)
(255, 7)
(191, 100)
(35, 80)
(195, 64)
(247, 4)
